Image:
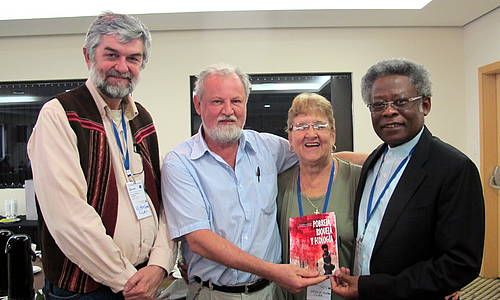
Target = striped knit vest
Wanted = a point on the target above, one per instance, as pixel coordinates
(85, 120)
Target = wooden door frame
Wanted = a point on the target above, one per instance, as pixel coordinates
(489, 151)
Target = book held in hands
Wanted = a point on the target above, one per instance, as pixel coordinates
(313, 242)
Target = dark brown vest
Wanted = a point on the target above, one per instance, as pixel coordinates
(85, 119)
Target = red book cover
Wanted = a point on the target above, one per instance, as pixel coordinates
(313, 242)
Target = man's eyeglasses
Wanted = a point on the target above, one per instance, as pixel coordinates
(317, 126)
(399, 104)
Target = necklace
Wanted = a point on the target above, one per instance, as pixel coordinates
(327, 195)
(316, 209)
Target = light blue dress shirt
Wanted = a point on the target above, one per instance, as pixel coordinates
(201, 191)
(366, 241)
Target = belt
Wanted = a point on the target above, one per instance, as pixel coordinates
(246, 288)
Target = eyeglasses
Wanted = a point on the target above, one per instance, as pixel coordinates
(317, 126)
(379, 105)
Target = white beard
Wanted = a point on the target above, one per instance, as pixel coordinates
(225, 134)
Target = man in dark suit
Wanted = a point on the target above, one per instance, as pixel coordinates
(419, 205)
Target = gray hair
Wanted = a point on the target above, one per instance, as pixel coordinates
(222, 70)
(418, 75)
(125, 27)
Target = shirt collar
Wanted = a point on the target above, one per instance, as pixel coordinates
(404, 149)
(130, 107)
(200, 146)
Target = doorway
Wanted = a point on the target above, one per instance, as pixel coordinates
(489, 109)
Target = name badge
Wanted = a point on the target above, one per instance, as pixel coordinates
(137, 196)
(320, 291)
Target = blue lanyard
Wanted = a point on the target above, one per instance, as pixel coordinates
(327, 196)
(369, 210)
(126, 159)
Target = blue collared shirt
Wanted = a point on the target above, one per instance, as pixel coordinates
(201, 191)
(393, 157)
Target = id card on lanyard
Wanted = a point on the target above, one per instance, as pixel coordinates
(135, 189)
(139, 201)
(320, 291)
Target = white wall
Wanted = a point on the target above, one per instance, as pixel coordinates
(481, 47)
(177, 54)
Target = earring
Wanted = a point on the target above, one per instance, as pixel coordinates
(334, 148)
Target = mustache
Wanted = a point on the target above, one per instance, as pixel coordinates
(115, 73)
(227, 118)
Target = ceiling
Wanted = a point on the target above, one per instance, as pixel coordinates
(438, 13)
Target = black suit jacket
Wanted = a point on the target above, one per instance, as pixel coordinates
(430, 241)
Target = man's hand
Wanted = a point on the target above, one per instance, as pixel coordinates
(144, 283)
(294, 278)
(344, 284)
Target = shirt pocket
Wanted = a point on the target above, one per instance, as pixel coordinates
(267, 191)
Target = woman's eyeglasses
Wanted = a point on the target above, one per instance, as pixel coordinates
(317, 126)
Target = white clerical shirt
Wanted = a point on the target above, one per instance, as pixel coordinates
(385, 168)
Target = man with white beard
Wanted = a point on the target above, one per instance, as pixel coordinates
(219, 189)
(94, 154)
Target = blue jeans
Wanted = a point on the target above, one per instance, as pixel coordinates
(51, 292)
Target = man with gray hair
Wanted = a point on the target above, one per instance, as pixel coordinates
(95, 160)
(219, 188)
(419, 211)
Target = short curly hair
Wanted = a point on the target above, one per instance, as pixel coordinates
(418, 75)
